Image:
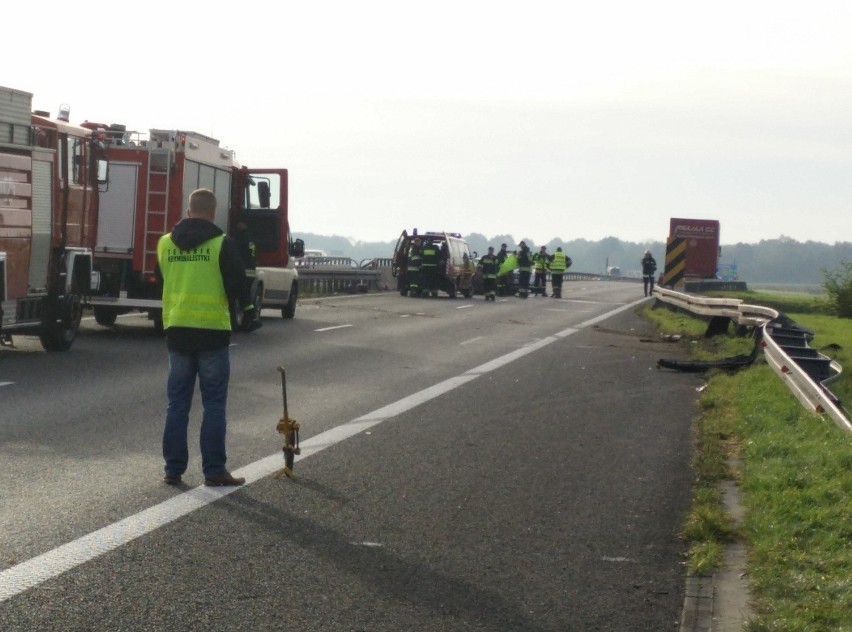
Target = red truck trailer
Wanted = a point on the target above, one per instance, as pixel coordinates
(701, 240)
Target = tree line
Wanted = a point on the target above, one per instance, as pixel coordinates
(781, 261)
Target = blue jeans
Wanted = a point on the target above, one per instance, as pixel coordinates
(213, 369)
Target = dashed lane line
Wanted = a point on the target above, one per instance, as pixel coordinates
(334, 327)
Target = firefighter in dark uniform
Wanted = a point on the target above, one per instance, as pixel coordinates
(649, 267)
(502, 280)
(524, 270)
(558, 264)
(489, 266)
(412, 270)
(541, 262)
(430, 258)
(248, 254)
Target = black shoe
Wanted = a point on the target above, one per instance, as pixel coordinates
(224, 480)
(172, 479)
(254, 325)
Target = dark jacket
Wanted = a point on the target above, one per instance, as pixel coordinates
(189, 233)
(649, 265)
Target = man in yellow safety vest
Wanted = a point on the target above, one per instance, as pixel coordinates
(558, 264)
(202, 275)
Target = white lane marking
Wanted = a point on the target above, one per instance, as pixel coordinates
(6, 383)
(335, 327)
(464, 306)
(32, 572)
(467, 342)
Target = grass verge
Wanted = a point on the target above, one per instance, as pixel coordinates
(794, 469)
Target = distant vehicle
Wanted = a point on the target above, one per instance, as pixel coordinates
(314, 253)
(451, 277)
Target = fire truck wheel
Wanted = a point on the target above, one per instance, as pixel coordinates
(105, 316)
(257, 299)
(59, 334)
(289, 310)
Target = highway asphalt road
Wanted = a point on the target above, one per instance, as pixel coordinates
(467, 465)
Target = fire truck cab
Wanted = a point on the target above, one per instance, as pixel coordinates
(49, 176)
(150, 179)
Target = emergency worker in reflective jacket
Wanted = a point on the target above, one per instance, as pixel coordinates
(430, 258)
(503, 281)
(541, 262)
(489, 265)
(412, 269)
(247, 248)
(202, 275)
(558, 264)
(524, 270)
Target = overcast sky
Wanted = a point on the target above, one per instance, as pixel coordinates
(536, 119)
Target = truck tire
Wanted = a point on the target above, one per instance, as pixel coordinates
(105, 316)
(59, 331)
(289, 310)
(257, 299)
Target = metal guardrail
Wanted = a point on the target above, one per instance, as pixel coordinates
(806, 371)
(329, 279)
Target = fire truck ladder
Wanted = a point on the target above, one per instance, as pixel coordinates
(156, 201)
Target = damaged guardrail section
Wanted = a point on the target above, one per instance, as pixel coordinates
(785, 345)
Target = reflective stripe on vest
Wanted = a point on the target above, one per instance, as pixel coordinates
(193, 291)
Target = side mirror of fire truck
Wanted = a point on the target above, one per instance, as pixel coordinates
(103, 174)
(297, 248)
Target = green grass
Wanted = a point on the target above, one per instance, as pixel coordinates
(794, 469)
(787, 302)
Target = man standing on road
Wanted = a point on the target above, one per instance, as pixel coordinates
(412, 269)
(541, 262)
(524, 270)
(502, 280)
(649, 267)
(489, 265)
(248, 253)
(429, 260)
(202, 275)
(558, 264)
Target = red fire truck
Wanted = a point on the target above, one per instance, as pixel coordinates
(49, 175)
(150, 179)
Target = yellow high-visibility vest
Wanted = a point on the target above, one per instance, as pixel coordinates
(193, 290)
(558, 262)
